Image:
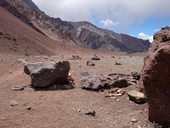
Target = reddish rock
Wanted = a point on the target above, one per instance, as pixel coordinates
(155, 78)
(90, 63)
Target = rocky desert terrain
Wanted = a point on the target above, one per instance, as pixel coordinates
(61, 108)
(66, 108)
(23, 41)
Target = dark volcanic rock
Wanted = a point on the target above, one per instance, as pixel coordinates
(90, 81)
(135, 75)
(155, 77)
(48, 73)
(90, 112)
(120, 83)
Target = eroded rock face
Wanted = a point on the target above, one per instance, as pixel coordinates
(155, 78)
(48, 73)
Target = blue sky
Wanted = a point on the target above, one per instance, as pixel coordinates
(139, 18)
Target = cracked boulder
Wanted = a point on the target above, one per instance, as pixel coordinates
(46, 74)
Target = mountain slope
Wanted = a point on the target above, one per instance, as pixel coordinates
(18, 38)
(98, 38)
(81, 33)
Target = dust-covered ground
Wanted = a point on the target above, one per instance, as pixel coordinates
(66, 108)
(60, 108)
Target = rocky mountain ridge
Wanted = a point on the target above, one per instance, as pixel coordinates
(81, 33)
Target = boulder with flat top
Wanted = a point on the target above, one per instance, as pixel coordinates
(46, 74)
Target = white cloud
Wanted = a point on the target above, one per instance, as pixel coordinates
(120, 9)
(125, 12)
(107, 23)
(145, 36)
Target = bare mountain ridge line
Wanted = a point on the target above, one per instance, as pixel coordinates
(82, 33)
(17, 38)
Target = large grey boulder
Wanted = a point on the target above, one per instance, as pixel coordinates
(45, 74)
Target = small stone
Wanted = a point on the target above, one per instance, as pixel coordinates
(79, 110)
(137, 97)
(22, 61)
(116, 63)
(90, 112)
(133, 120)
(76, 57)
(13, 103)
(3, 118)
(90, 63)
(135, 75)
(95, 57)
(17, 88)
(28, 108)
(45, 57)
(117, 100)
(36, 102)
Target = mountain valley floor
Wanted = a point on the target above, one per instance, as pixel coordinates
(66, 108)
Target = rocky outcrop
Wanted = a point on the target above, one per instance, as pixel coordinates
(155, 77)
(48, 73)
(91, 81)
(81, 33)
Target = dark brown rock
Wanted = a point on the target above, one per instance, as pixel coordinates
(90, 63)
(117, 63)
(155, 78)
(95, 57)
